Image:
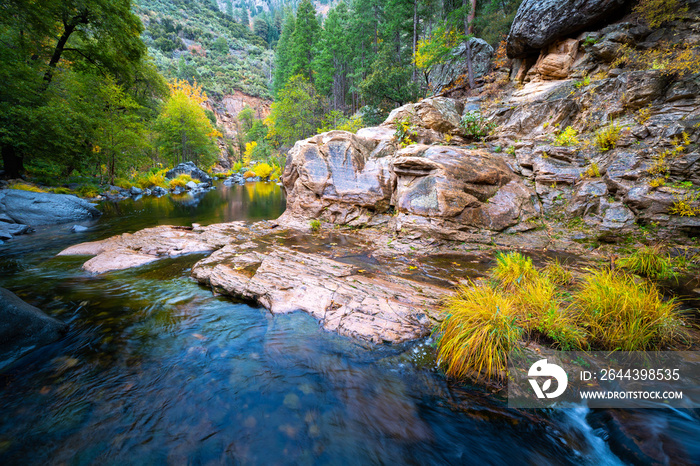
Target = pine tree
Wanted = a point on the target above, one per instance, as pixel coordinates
(284, 53)
(304, 40)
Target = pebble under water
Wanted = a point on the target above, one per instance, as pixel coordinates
(157, 370)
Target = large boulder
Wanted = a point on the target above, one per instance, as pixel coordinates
(539, 23)
(32, 209)
(465, 186)
(189, 168)
(447, 74)
(335, 176)
(24, 327)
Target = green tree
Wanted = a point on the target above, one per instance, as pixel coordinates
(304, 40)
(283, 54)
(77, 39)
(296, 114)
(185, 131)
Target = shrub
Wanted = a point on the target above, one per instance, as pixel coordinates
(627, 314)
(26, 187)
(592, 171)
(649, 262)
(405, 132)
(123, 183)
(263, 170)
(657, 12)
(683, 205)
(62, 191)
(236, 167)
(88, 190)
(476, 126)
(568, 137)
(606, 138)
(148, 180)
(315, 225)
(249, 174)
(477, 333)
(179, 182)
(512, 269)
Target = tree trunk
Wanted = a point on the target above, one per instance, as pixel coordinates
(468, 20)
(13, 163)
(472, 14)
(415, 38)
(68, 29)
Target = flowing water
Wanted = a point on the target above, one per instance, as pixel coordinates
(157, 370)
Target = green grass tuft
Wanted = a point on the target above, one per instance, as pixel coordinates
(477, 334)
(627, 314)
(649, 262)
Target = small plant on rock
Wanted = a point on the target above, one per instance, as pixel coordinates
(475, 125)
(315, 225)
(568, 137)
(606, 138)
(405, 132)
(592, 171)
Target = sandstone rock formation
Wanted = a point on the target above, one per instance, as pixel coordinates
(342, 297)
(538, 23)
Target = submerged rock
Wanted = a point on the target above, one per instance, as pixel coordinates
(24, 327)
(31, 208)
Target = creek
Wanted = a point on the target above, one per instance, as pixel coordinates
(155, 369)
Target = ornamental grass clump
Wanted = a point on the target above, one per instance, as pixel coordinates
(650, 262)
(480, 329)
(627, 314)
(512, 269)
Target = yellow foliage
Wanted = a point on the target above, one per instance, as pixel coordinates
(249, 174)
(606, 138)
(263, 170)
(677, 59)
(568, 137)
(26, 187)
(180, 182)
(248, 152)
(192, 91)
(657, 12)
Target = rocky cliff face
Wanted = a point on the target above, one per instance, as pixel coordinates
(524, 177)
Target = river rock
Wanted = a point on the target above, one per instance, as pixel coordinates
(334, 176)
(32, 208)
(344, 298)
(149, 245)
(188, 168)
(538, 23)
(191, 185)
(135, 191)
(23, 326)
(446, 75)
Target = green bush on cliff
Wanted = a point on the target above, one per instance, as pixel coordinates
(475, 125)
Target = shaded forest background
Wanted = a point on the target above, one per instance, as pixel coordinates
(100, 90)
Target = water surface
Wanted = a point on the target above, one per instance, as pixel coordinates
(157, 370)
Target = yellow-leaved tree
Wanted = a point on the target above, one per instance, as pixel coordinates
(185, 132)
